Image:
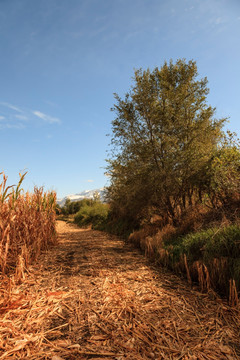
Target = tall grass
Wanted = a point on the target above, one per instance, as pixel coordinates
(210, 257)
(27, 225)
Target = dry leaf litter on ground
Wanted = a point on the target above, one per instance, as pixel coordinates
(95, 297)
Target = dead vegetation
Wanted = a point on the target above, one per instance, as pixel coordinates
(94, 297)
(27, 226)
(208, 255)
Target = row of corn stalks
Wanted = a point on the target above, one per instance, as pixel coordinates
(27, 226)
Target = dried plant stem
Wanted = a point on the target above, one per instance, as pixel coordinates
(187, 270)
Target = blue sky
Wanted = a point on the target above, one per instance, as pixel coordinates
(61, 61)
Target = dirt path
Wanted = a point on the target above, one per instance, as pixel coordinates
(104, 301)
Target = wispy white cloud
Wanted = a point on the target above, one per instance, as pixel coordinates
(45, 117)
(16, 117)
(90, 181)
(12, 107)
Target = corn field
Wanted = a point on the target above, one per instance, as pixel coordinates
(27, 226)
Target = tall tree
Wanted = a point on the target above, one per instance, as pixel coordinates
(163, 135)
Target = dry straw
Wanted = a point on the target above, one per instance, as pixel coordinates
(27, 226)
(94, 297)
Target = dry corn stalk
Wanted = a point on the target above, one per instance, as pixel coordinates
(149, 246)
(27, 225)
(203, 276)
(233, 295)
(187, 270)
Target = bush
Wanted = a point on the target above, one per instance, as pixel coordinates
(95, 214)
(72, 207)
(212, 243)
(217, 248)
(121, 226)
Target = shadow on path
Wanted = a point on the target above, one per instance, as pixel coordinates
(120, 307)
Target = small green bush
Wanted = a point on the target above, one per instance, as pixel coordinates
(95, 214)
(72, 207)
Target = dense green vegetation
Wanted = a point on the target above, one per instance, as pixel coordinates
(218, 248)
(170, 152)
(175, 174)
(72, 207)
(174, 179)
(86, 212)
(95, 214)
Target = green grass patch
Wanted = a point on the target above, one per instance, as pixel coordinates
(218, 248)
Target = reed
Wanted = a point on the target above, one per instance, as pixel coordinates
(27, 226)
(210, 257)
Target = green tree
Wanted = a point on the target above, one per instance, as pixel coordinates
(163, 135)
(223, 172)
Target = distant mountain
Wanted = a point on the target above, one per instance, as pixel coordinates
(86, 194)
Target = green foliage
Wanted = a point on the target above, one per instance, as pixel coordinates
(58, 209)
(170, 158)
(224, 172)
(5, 190)
(95, 214)
(122, 227)
(164, 135)
(18, 190)
(206, 246)
(72, 207)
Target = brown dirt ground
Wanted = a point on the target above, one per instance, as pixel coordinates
(95, 297)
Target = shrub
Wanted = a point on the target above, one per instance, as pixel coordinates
(72, 207)
(95, 214)
(217, 248)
